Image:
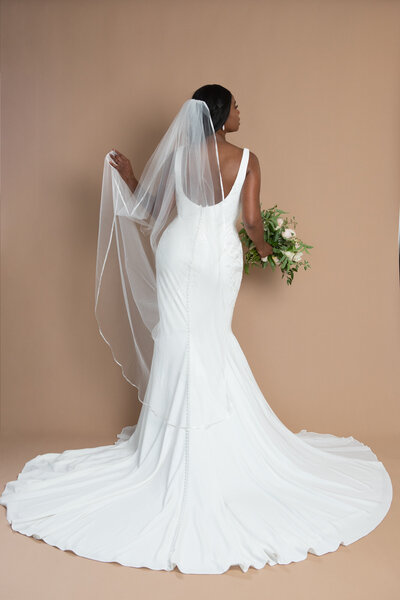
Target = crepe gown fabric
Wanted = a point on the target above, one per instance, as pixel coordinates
(244, 491)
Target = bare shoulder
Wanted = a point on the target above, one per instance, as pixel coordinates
(253, 164)
(230, 157)
(235, 153)
(231, 150)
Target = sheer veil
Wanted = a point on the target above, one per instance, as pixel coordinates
(130, 228)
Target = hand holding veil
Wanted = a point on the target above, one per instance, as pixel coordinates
(131, 225)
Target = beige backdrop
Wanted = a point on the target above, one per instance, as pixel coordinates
(318, 89)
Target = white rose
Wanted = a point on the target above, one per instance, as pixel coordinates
(297, 257)
(280, 223)
(289, 254)
(275, 259)
(288, 233)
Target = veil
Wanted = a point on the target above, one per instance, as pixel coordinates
(131, 225)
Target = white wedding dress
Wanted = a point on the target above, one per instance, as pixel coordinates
(244, 490)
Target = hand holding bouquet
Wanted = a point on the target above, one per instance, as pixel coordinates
(287, 247)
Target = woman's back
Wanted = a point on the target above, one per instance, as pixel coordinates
(230, 157)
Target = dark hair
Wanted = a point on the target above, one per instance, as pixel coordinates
(218, 100)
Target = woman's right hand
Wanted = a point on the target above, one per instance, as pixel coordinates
(123, 165)
(266, 250)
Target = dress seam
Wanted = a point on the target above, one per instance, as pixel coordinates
(187, 438)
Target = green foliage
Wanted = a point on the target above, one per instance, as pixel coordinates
(281, 245)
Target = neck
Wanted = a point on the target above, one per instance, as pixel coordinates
(220, 135)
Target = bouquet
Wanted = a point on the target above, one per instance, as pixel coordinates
(287, 247)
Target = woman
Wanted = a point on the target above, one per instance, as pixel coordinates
(209, 477)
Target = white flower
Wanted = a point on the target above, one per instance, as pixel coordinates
(288, 233)
(289, 254)
(280, 223)
(296, 245)
(297, 257)
(275, 259)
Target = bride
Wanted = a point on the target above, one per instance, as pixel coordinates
(208, 477)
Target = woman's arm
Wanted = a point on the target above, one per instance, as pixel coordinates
(251, 207)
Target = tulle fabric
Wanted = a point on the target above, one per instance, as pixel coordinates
(131, 226)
